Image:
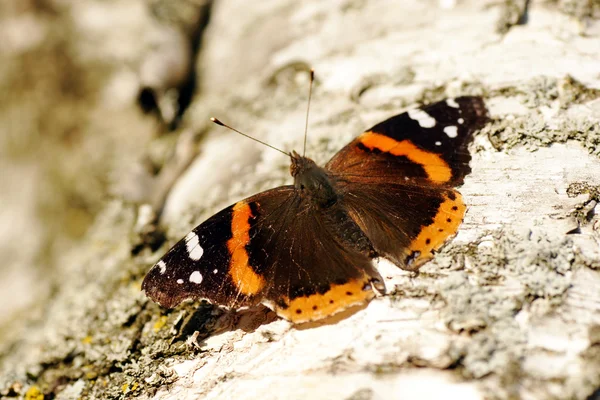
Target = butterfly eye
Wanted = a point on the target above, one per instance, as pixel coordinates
(302, 187)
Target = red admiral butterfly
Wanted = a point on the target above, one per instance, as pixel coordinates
(306, 250)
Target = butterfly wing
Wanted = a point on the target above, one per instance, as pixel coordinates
(198, 266)
(273, 248)
(397, 179)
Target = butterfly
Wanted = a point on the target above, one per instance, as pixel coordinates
(307, 250)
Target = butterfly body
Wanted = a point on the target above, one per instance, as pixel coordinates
(306, 250)
(316, 187)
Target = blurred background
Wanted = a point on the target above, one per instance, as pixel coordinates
(85, 88)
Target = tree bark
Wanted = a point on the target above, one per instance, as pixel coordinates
(510, 308)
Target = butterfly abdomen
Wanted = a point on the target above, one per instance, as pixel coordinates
(347, 230)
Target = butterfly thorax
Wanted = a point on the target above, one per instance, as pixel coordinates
(312, 181)
(315, 184)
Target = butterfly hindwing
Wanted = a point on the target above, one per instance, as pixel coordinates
(397, 178)
(405, 223)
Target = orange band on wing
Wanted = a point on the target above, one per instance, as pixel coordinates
(436, 168)
(317, 306)
(445, 225)
(244, 278)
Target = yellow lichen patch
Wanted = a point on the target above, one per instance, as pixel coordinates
(435, 167)
(128, 389)
(87, 340)
(244, 278)
(34, 393)
(91, 375)
(445, 224)
(160, 323)
(318, 306)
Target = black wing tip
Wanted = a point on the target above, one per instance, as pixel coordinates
(163, 299)
(160, 293)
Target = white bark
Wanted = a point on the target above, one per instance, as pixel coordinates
(509, 309)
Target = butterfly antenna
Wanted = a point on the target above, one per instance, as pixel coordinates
(312, 78)
(216, 121)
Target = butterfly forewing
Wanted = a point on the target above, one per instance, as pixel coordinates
(197, 267)
(427, 146)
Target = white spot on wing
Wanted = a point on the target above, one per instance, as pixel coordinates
(163, 267)
(215, 271)
(192, 244)
(451, 131)
(191, 236)
(425, 120)
(461, 121)
(438, 143)
(180, 281)
(196, 277)
(452, 103)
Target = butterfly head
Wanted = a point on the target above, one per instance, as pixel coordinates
(312, 181)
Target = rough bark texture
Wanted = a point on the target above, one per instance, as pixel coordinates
(509, 309)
